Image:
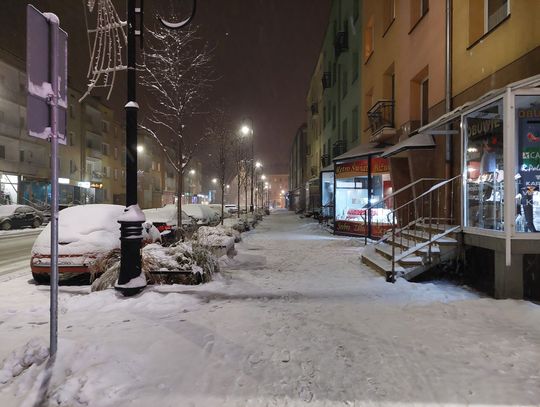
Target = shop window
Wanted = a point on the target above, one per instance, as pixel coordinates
(369, 39)
(327, 194)
(353, 196)
(484, 189)
(528, 164)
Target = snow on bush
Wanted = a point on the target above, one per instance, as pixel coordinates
(180, 257)
(215, 237)
(35, 352)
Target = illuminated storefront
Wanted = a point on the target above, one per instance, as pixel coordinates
(359, 183)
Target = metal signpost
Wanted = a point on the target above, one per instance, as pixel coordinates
(46, 71)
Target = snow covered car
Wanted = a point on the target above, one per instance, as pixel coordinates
(231, 208)
(202, 214)
(84, 233)
(165, 220)
(19, 216)
(217, 208)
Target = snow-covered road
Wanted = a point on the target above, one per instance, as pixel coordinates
(294, 320)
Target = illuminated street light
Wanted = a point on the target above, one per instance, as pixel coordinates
(140, 149)
(245, 129)
(263, 177)
(192, 172)
(258, 164)
(214, 180)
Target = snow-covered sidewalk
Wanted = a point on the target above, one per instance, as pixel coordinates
(294, 320)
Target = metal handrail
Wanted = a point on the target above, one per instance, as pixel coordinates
(392, 197)
(419, 203)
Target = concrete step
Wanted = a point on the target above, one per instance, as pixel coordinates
(386, 251)
(423, 236)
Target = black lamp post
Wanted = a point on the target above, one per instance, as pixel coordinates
(248, 130)
(131, 223)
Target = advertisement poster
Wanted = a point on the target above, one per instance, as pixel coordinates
(529, 147)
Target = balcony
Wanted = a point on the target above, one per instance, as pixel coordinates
(381, 121)
(339, 147)
(341, 43)
(326, 80)
(325, 160)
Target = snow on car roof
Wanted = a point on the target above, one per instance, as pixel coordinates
(6, 210)
(167, 214)
(198, 211)
(83, 229)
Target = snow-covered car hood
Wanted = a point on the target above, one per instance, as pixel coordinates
(87, 229)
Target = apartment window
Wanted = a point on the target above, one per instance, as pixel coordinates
(70, 138)
(72, 167)
(355, 124)
(344, 84)
(424, 102)
(116, 153)
(324, 116)
(419, 9)
(153, 165)
(3, 152)
(355, 66)
(104, 126)
(369, 39)
(356, 9)
(334, 117)
(495, 11)
(106, 172)
(116, 174)
(105, 148)
(21, 155)
(159, 167)
(389, 14)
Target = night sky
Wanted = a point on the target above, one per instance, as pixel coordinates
(265, 53)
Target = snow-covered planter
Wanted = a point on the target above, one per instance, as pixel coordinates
(180, 263)
(218, 240)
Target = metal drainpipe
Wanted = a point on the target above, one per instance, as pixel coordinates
(448, 84)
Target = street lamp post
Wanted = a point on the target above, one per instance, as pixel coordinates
(249, 130)
(131, 222)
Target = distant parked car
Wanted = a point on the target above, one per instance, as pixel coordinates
(84, 233)
(231, 208)
(165, 220)
(202, 214)
(19, 216)
(217, 208)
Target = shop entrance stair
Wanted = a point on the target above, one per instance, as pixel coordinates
(418, 234)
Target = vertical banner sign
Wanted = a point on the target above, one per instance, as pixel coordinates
(46, 72)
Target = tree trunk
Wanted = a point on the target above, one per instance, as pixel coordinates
(179, 188)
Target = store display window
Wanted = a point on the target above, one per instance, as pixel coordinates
(528, 163)
(484, 186)
(327, 193)
(359, 185)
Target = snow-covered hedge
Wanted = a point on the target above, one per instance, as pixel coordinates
(181, 263)
(219, 240)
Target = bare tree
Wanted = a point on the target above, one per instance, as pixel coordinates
(176, 74)
(222, 135)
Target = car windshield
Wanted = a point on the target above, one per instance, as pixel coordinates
(6, 210)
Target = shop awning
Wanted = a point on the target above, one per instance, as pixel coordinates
(329, 168)
(417, 142)
(361, 150)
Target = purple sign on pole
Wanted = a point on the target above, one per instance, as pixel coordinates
(38, 74)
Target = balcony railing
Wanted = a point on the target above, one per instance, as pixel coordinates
(341, 43)
(339, 147)
(381, 116)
